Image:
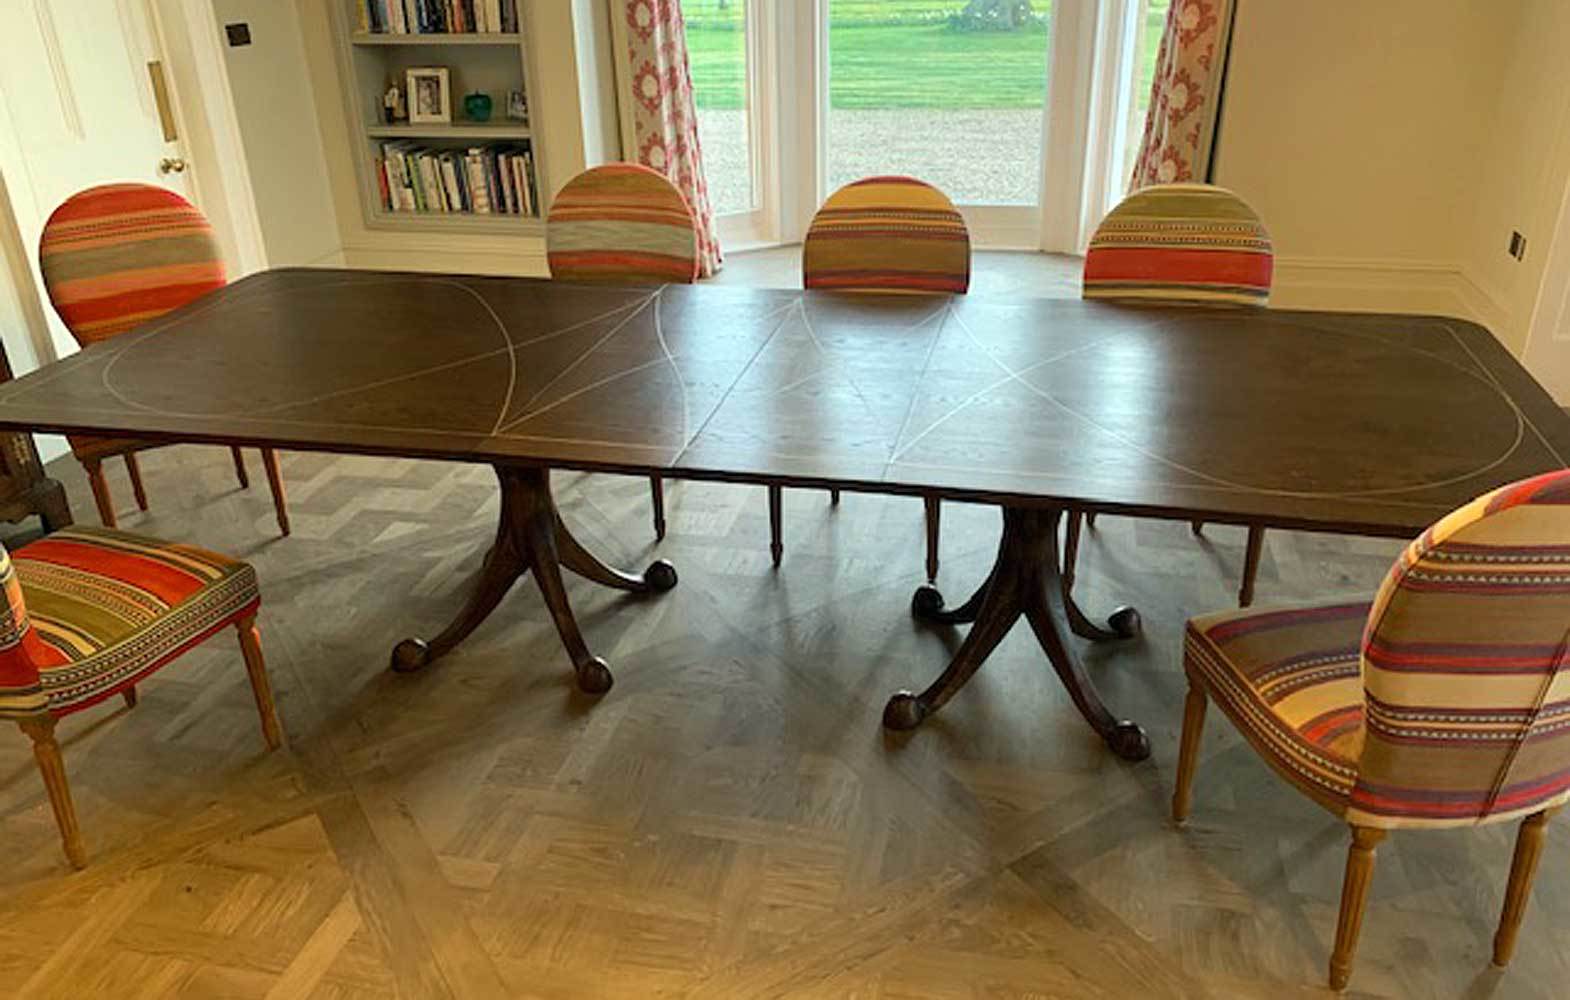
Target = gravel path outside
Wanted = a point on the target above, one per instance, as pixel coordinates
(990, 157)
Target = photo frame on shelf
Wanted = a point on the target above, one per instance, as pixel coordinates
(429, 95)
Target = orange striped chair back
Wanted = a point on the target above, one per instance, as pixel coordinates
(1466, 667)
(1181, 243)
(119, 255)
(621, 223)
(887, 234)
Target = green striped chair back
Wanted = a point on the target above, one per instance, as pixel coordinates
(1181, 243)
(621, 223)
(1466, 667)
(887, 234)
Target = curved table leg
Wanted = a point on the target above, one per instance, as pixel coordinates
(927, 604)
(1027, 579)
(999, 609)
(530, 535)
(658, 578)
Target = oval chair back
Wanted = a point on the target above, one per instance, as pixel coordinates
(887, 234)
(621, 223)
(1181, 243)
(114, 257)
(118, 255)
(1466, 667)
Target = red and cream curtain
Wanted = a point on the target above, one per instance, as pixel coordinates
(659, 117)
(1180, 127)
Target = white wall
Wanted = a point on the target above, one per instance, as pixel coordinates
(1524, 163)
(275, 109)
(1356, 130)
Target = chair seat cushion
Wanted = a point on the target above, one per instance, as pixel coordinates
(110, 607)
(86, 448)
(1291, 681)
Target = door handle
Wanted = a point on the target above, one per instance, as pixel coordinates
(171, 165)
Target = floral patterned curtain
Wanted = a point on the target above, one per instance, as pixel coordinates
(663, 116)
(1180, 127)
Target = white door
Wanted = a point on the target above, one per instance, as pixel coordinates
(78, 107)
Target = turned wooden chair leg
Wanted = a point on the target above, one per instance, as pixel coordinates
(52, 767)
(1354, 893)
(834, 497)
(251, 647)
(275, 483)
(1090, 521)
(1523, 869)
(101, 495)
(1256, 548)
(776, 530)
(657, 502)
(1197, 527)
(239, 468)
(129, 695)
(1188, 749)
(134, 469)
(934, 512)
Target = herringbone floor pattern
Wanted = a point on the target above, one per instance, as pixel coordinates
(730, 821)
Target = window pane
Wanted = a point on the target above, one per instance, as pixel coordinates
(717, 51)
(1153, 23)
(944, 90)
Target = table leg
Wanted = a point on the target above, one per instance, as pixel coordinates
(530, 535)
(1026, 580)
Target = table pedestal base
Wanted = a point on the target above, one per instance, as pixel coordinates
(530, 535)
(1026, 580)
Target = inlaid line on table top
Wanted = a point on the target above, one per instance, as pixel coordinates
(1237, 414)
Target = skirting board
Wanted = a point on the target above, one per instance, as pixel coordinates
(1345, 284)
(526, 260)
(1399, 286)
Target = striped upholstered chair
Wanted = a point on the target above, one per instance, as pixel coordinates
(87, 613)
(1443, 702)
(1182, 243)
(623, 224)
(884, 234)
(113, 258)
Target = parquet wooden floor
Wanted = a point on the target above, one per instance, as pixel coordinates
(730, 821)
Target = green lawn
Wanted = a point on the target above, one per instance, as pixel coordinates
(894, 54)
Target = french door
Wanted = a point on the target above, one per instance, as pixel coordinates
(1026, 112)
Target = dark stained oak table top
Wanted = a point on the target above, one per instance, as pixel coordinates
(1363, 423)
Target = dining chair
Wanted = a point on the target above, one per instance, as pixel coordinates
(113, 258)
(623, 224)
(1181, 243)
(883, 234)
(1443, 702)
(88, 613)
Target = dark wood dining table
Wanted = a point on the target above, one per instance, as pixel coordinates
(1354, 423)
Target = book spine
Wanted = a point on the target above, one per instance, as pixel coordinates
(479, 197)
(529, 182)
(383, 189)
(493, 15)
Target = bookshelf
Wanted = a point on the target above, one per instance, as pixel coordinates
(493, 63)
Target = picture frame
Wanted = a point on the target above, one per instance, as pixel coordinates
(429, 95)
(517, 106)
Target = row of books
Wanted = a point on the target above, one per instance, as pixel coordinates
(496, 179)
(437, 17)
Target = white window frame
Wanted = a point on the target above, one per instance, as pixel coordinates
(1086, 127)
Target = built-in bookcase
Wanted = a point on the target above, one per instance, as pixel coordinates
(494, 63)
